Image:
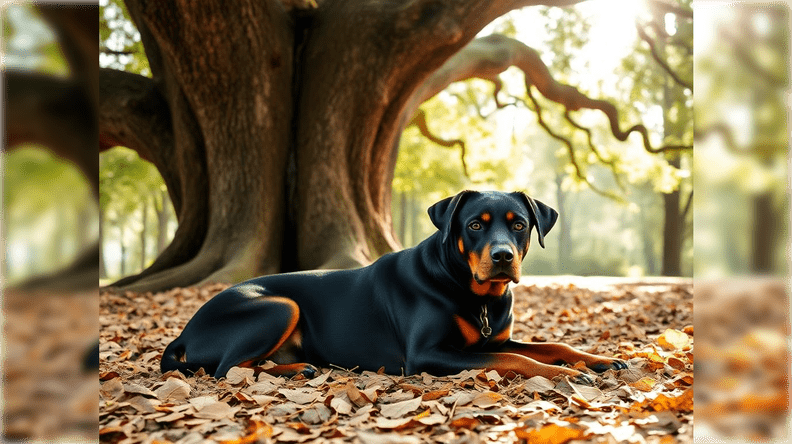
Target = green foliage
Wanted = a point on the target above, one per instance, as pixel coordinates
(125, 180)
(119, 39)
(48, 208)
(29, 43)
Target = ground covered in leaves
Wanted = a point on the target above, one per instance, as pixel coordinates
(647, 323)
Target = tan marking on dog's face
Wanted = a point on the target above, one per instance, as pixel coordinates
(509, 216)
(486, 217)
(461, 246)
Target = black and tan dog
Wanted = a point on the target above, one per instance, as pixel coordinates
(441, 307)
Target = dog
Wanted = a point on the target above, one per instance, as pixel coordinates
(441, 307)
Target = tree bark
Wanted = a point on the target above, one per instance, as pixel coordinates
(162, 220)
(672, 230)
(143, 233)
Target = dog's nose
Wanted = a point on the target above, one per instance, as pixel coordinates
(501, 254)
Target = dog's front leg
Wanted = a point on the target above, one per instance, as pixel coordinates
(556, 353)
(452, 361)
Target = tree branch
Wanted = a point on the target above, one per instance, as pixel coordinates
(134, 114)
(570, 150)
(663, 64)
(419, 121)
(54, 112)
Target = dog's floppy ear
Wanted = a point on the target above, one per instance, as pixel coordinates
(442, 213)
(542, 216)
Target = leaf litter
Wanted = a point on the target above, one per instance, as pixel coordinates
(648, 324)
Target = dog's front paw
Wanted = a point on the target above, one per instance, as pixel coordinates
(582, 378)
(604, 364)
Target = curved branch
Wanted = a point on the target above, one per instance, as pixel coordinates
(53, 112)
(487, 57)
(612, 162)
(134, 114)
(537, 74)
(419, 121)
(570, 150)
(663, 64)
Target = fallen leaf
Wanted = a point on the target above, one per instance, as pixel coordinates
(341, 406)
(239, 375)
(173, 389)
(300, 396)
(399, 409)
(644, 384)
(672, 339)
(216, 410)
(551, 434)
(112, 389)
(486, 399)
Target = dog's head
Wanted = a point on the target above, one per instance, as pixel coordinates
(491, 233)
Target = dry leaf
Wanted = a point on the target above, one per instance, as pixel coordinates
(240, 375)
(672, 339)
(112, 389)
(399, 409)
(644, 384)
(301, 396)
(216, 410)
(486, 399)
(173, 389)
(551, 434)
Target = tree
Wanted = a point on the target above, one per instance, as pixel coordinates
(276, 125)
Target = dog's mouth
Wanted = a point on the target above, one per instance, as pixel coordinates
(498, 278)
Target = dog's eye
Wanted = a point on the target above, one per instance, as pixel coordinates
(518, 226)
(475, 225)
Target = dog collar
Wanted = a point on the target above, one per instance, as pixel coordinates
(486, 331)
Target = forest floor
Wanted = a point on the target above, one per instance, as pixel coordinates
(647, 322)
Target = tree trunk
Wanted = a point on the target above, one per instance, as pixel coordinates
(672, 230)
(102, 265)
(162, 221)
(403, 210)
(123, 252)
(764, 233)
(143, 233)
(564, 226)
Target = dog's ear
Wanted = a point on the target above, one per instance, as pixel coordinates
(442, 213)
(542, 216)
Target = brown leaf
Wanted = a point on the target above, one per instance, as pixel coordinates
(486, 399)
(139, 390)
(173, 389)
(355, 396)
(551, 434)
(341, 405)
(301, 396)
(112, 389)
(317, 414)
(465, 422)
(435, 394)
(672, 339)
(400, 409)
(216, 410)
(644, 384)
(240, 375)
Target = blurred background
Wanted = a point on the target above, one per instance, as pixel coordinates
(69, 223)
